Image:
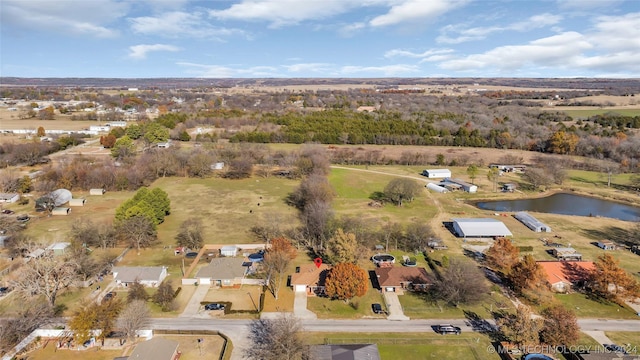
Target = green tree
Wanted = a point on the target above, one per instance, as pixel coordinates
(155, 133)
(25, 185)
(400, 190)
(472, 171)
(134, 131)
(493, 175)
(184, 136)
(346, 281)
(123, 147)
(440, 159)
(164, 297)
(342, 248)
(137, 291)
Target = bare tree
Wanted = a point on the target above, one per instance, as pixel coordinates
(461, 282)
(15, 328)
(138, 231)
(45, 276)
(275, 264)
(276, 339)
(521, 327)
(135, 316)
(190, 234)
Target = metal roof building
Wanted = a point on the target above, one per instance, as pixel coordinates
(531, 222)
(480, 227)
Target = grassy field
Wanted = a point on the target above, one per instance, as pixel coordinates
(623, 338)
(586, 113)
(588, 308)
(417, 345)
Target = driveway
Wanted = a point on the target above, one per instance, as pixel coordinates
(300, 307)
(394, 307)
(599, 336)
(193, 307)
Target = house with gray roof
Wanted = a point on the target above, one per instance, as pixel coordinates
(223, 271)
(156, 349)
(345, 352)
(146, 275)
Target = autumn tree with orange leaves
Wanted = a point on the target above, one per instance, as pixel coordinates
(502, 255)
(610, 281)
(346, 281)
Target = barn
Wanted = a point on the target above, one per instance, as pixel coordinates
(480, 227)
(436, 173)
(96, 191)
(470, 188)
(60, 211)
(77, 202)
(531, 222)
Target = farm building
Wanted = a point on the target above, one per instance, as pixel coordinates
(230, 250)
(437, 188)
(77, 202)
(436, 173)
(606, 245)
(509, 168)
(531, 222)
(96, 191)
(566, 253)
(480, 227)
(470, 188)
(146, 275)
(61, 211)
(59, 248)
(310, 278)
(53, 199)
(562, 275)
(223, 272)
(9, 198)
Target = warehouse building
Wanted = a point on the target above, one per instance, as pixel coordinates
(480, 227)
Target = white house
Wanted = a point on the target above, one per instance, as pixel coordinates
(436, 173)
(59, 248)
(9, 197)
(146, 275)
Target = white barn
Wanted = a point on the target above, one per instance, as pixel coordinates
(480, 227)
(436, 173)
(531, 222)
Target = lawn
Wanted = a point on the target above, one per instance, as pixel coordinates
(357, 308)
(419, 306)
(588, 308)
(49, 352)
(623, 338)
(417, 345)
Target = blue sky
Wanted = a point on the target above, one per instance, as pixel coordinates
(319, 38)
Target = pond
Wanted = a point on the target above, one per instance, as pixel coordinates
(567, 204)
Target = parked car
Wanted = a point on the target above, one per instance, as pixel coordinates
(7, 212)
(448, 329)
(191, 255)
(214, 306)
(23, 218)
(615, 348)
(110, 295)
(4, 291)
(377, 308)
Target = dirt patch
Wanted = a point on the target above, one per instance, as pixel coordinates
(243, 298)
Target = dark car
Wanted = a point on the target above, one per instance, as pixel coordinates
(191, 255)
(214, 306)
(109, 296)
(448, 329)
(615, 348)
(7, 212)
(4, 291)
(23, 218)
(377, 308)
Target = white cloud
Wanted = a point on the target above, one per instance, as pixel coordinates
(219, 71)
(79, 18)
(141, 51)
(422, 55)
(381, 71)
(456, 34)
(414, 10)
(587, 4)
(178, 24)
(308, 68)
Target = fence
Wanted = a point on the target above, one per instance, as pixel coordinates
(226, 347)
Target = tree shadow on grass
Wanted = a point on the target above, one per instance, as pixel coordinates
(483, 326)
(613, 233)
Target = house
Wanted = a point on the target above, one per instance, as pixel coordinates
(9, 197)
(164, 145)
(606, 245)
(437, 173)
(96, 191)
(566, 253)
(77, 202)
(99, 128)
(310, 278)
(61, 211)
(480, 227)
(509, 168)
(146, 275)
(345, 352)
(531, 222)
(156, 349)
(470, 188)
(59, 248)
(397, 279)
(509, 187)
(223, 272)
(229, 250)
(562, 275)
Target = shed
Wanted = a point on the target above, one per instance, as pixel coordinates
(509, 187)
(146, 275)
(59, 248)
(155, 349)
(480, 227)
(61, 211)
(566, 253)
(230, 250)
(437, 188)
(437, 173)
(531, 222)
(606, 245)
(9, 197)
(77, 202)
(96, 191)
(470, 188)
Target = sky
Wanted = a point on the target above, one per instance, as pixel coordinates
(319, 38)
